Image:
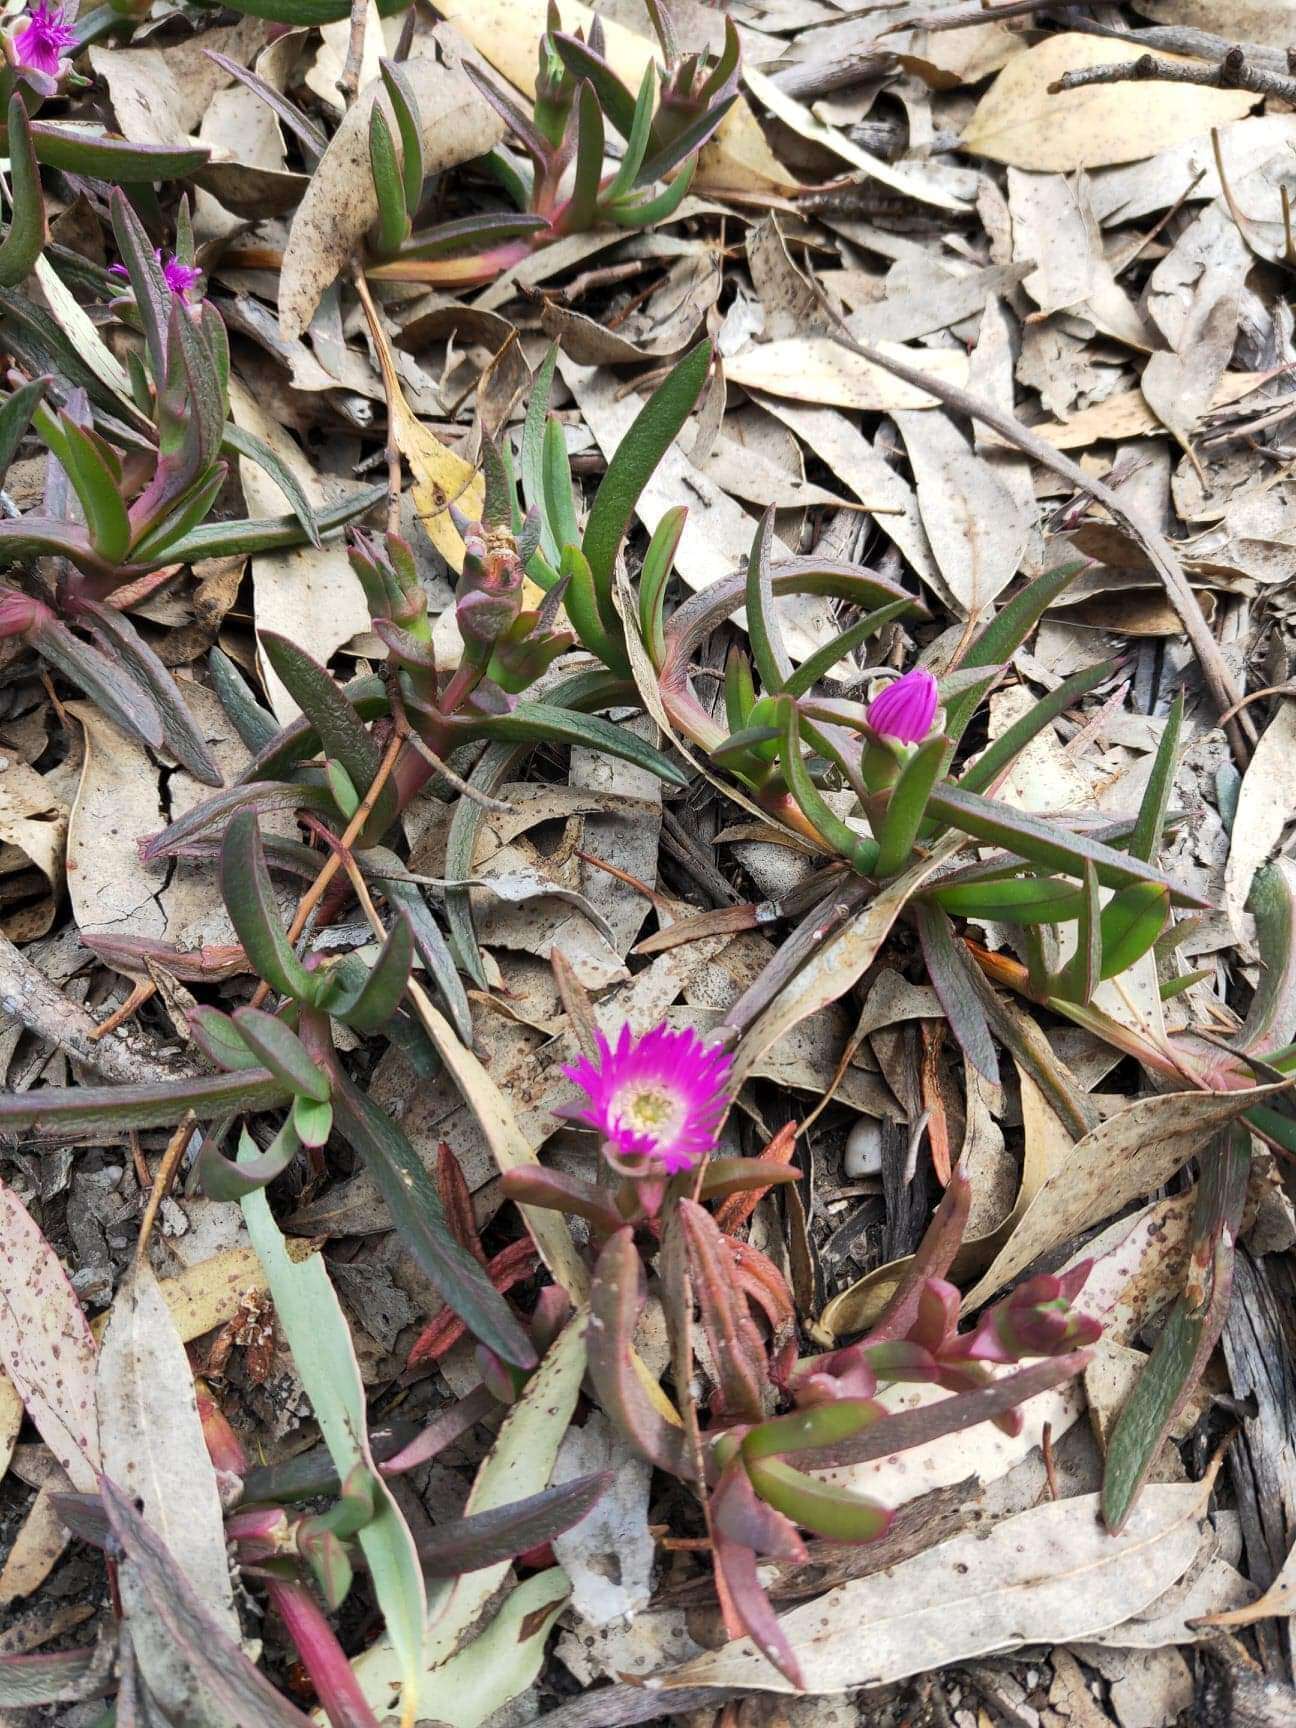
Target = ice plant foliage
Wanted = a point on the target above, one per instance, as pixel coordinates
(179, 277)
(660, 1097)
(41, 43)
(904, 711)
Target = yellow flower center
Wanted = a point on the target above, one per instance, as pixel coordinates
(650, 1110)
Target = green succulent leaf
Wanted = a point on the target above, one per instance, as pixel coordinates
(102, 156)
(405, 108)
(584, 64)
(28, 229)
(627, 174)
(97, 488)
(658, 164)
(764, 631)
(558, 494)
(538, 722)
(646, 212)
(859, 850)
(270, 533)
(1131, 922)
(654, 430)
(1080, 978)
(312, 1120)
(1146, 838)
(1006, 632)
(15, 416)
(389, 188)
(237, 440)
(659, 561)
(255, 725)
(1041, 842)
(282, 1052)
(417, 1213)
(1010, 744)
(220, 1040)
(219, 1178)
(250, 902)
(582, 208)
(377, 999)
(532, 463)
(342, 732)
(836, 1513)
(1011, 899)
(180, 731)
(907, 805)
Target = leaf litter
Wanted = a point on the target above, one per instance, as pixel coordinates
(715, 366)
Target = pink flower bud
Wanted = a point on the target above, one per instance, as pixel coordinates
(905, 710)
(19, 613)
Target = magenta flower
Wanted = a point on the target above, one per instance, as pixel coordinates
(39, 45)
(179, 278)
(659, 1097)
(905, 710)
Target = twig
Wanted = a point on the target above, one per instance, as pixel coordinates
(27, 996)
(163, 1180)
(1182, 39)
(1233, 72)
(349, 83)
(315, 893)
(1219, 679)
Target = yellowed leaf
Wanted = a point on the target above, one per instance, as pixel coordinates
(505, 32)
(441, 476)
(1019, 122)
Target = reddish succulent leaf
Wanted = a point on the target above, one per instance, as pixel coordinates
(512, 1265)
(533, 1186)
(742, 1517)
(737, 1206)
(736, 1347)
(456, 1202)
(736, 1575)
(616, 1302)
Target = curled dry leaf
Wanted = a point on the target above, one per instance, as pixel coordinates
(33, 835)
(340, 203)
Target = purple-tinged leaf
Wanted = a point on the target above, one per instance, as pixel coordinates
(261, 797)
(249, 900)
(339, 1692)
(585, 64)
(616, 1301)
(417, 1214)
(103, 156)
(485, 1538)
(221, 1179)
(738, 1578)
(126, 703)
(238, 1687)
(997, 757)
(1185, 1343)
(532, 1185)
(369, 1008)
(738, 1514)
(949, 970)
(736, 1346)
(282, 1052)
(109, 1109)
(724, 1176)
(180, 731)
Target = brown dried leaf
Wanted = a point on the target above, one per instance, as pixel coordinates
(1019, 122)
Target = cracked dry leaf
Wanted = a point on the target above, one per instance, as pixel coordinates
(1049, 1575)
(340, 203)
(1019, 122)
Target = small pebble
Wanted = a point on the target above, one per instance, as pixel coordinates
(864, 1148)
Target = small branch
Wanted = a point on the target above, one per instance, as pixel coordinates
(349, 83)
(27, 996)
(1233, 72)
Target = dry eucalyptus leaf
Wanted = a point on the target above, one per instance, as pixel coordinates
(1019, 122)
(1127, 1156)
(1129, 415)
(340, 202)
(1265, 805)
(817, 369)
(310, 593)
(1050, 1575)
(976, 526)
(33, 837)
(151, 1437)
